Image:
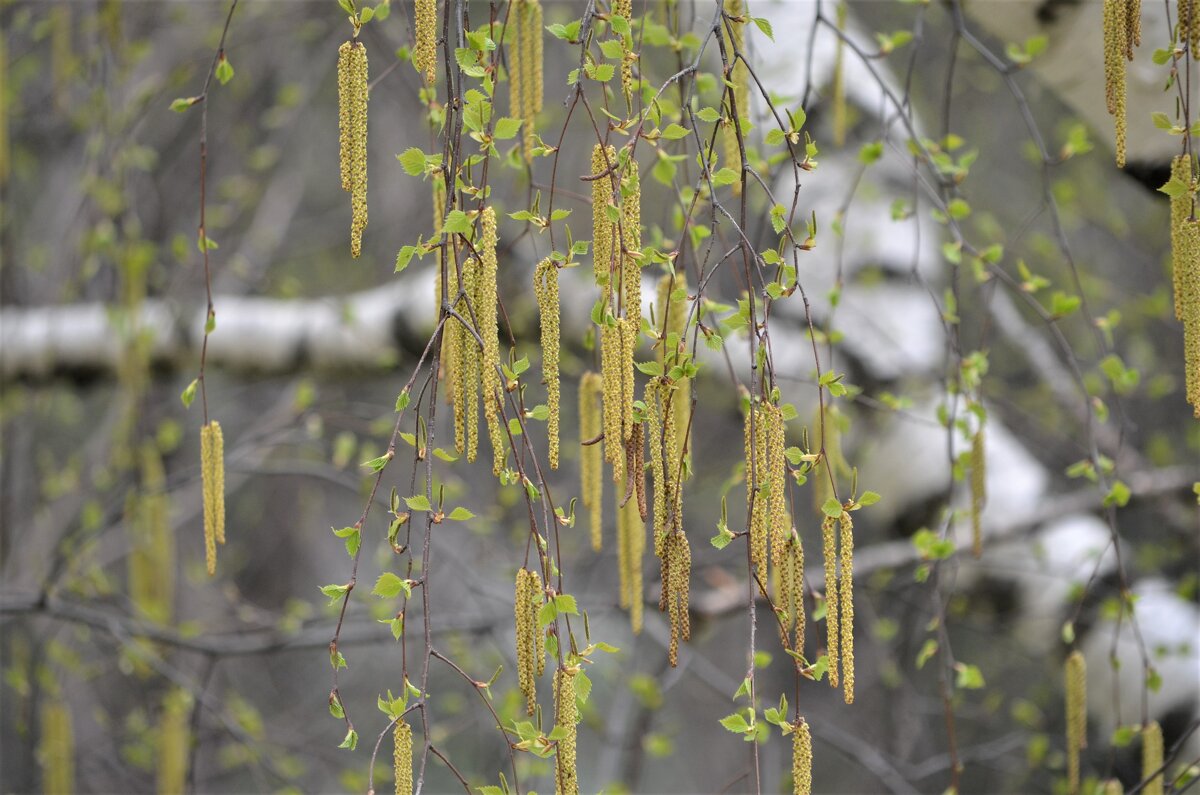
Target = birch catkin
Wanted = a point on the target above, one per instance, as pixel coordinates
(566, 781)
(489, 330)
(590, 455)
(425, 50)
(525, 68)
(736, 43)
(676, 583)
(624, 8)
(1076, 684)
(212, 478)
(603, 230)
(612, 355)
(829, 536)
(352, 124)
(526, 623)
(56, 748)
(631, 547)
(846, 605)
(173, 741)
(466, 399)
(631, 240)
(1185, 267)
(671, 302)
(1116, 47)
(801, 758)
(1152, 759)
(545, 290)
(402, 757)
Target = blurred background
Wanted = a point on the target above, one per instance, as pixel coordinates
(113, 637)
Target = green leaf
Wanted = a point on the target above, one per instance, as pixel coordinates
(404, 256)
(351, 740)
(417, 503)
(735, 723)
(390, 585)
(651, 369)
(673, 132)
(968, 677)
(413, 161)
(565, 603)
(353, 539)
(709, 115)
(189, 393)
(224, 70)
(868, 498)
(927, 650)
(724, 176)
(335, 708)
(376, 464)
(402, 400)
(832, 508)
(506, 128)
(334, 592)
(870, 152)
(183, 103)
(460, 514)
(1118, 495)
(457, 222)
(765, 26)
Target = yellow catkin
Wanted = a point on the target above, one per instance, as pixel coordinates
(740, 78)
(1133, 26)
(839, 83)
(801, 759)
(526, 627)
(566, 715)
(978, 491)
(489, 328)
(757, 487)
(56, 748)
(402, 767)
(1076, 685)
(212, 479)
(636, 462)
(612, 354)
(174, 741)
(1152, 759)
(829, 536)
(1112, 787)
(631, 239)
(629, 334)
(676, 583)
(654, 434)
(1185, 267)
(846, 606)
(152, 548)
(468, 358)
(631, 546)
(1115, 46)
(603, 230)
(5, 147)
(1189, 25)
(671, 303)
(525, 68)
(590, 455)
(352, 125)
(537, 593)
(787, 555)
(452, 330)
(624, 8)
(424, 56)
(545, 290)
